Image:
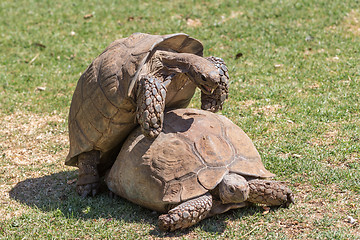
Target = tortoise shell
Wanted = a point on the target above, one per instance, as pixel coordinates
(103, 108)
(190, 156)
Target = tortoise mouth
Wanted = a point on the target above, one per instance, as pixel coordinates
(206, 89)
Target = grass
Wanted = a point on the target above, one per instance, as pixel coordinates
(295, 90)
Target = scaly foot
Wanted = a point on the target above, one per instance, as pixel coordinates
(271, 193)
(150, 106)
(88, 181)
(186, 214)
(215, 101)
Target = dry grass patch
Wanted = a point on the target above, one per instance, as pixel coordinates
(267, 110)
(328, 138)
(350, 23)
(28, 142)
(310, 51)
(27, 138)
(233, 15)
(247, 103)
(314, 209)
(314, 86)
(194, 22)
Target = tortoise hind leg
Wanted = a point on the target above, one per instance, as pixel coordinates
(150, 105)
(88, 181)
(186, 214)
(271, 193)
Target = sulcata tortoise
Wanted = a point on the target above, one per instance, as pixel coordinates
(132, 82)
(201, 164)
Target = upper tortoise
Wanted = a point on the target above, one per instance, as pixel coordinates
(132, 82)
(201, 164)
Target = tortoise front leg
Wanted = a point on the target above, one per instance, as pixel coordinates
(150, 105)
(215, 101)
(186, 214)
(88, 180)
(271, 193)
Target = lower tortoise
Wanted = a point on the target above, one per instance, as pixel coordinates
(200, 165)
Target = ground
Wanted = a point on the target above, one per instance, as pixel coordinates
(294, 89)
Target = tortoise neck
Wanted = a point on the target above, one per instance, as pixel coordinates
(176, 62)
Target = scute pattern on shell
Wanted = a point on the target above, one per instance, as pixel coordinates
(170, 169)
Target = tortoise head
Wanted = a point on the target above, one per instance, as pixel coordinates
(204, 74)
(233, 189)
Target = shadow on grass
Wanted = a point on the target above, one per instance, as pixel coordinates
(55, 192)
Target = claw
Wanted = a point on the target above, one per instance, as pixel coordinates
(87, 190)
(214, 101)
(83, 191)
(271, 193)
(113, 195)
(290, 200)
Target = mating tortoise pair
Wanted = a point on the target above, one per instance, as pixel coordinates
(200, 164)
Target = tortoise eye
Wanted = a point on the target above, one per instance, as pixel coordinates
(203, 78)
(231, 189)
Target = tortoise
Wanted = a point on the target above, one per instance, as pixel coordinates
(132, 82)
(201, 164)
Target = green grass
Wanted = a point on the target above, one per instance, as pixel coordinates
(295, 90)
